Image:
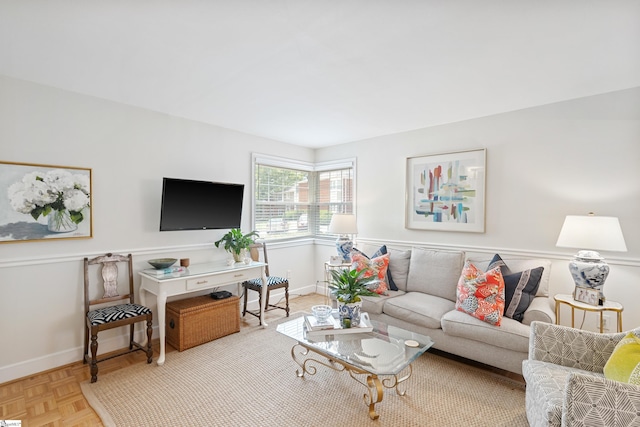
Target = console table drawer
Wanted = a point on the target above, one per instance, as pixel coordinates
(205, 282)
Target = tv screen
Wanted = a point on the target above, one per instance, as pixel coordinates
(200, 205)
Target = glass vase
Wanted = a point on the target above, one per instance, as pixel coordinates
(60, 222)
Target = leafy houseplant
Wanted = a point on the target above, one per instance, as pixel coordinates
(348, 285)
(235, 242)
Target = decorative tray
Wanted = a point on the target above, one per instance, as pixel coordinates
(364, 326)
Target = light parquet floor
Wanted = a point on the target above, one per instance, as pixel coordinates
(54, 399)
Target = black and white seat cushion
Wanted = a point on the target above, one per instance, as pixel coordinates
(116, 312)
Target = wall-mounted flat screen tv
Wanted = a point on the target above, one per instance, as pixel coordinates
(200, 205)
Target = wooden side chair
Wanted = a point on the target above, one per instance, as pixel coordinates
(108, 315)
(273, 282)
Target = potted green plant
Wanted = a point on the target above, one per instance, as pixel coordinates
(348, 286)
(237, 243)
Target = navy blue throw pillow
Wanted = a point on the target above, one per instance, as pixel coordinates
(519, 288)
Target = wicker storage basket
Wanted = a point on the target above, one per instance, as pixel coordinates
(194, 321)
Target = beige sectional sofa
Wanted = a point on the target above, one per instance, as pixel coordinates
(425, 303)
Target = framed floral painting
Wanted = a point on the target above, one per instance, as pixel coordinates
(446, 191)
(42, 202)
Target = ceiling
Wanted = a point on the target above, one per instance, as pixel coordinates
(324, 72)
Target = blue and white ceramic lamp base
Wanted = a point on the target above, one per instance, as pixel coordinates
(344, 245)
(589, 270)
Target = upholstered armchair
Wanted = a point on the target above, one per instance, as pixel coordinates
(566, 385)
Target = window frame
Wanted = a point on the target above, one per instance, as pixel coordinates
(314, 169)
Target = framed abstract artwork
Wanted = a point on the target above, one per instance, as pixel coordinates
(446, 191)
(44, 202)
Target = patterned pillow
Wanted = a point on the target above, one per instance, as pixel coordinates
(520, 288)
(381, 251)
(624, 363)
(481, 294)
(375, 267)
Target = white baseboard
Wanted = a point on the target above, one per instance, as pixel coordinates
(56, 360)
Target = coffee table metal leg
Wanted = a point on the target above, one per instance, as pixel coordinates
(303, 361)
(394, 381)
(375, 386)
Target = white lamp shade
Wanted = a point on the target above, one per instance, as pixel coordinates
(598, 233)
(343, 224)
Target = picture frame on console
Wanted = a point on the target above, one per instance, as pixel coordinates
(446, 191)
(44, 202)
(586, 295)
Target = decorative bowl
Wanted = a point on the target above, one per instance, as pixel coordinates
(321, 312)
(161, 263)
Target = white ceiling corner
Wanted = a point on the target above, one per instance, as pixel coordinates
(318, 73)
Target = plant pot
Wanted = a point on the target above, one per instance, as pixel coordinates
(350, 311)
(239, 257)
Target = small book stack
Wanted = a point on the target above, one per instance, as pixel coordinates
(332, 326)
(313, 324)
(159, 272)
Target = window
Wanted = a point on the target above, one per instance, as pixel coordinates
(296, 199)
(334, 195)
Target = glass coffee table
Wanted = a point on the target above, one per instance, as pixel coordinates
(377, 359)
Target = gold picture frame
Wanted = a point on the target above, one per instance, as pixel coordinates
(44, 202)
(586, 295)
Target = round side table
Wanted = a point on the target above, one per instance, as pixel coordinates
(607, 306)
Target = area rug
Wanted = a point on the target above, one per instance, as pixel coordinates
(249, 379)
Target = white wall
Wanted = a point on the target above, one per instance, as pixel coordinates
(129, 151)
(543, 163)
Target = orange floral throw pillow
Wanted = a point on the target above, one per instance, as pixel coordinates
(374, 267)
(481, 294)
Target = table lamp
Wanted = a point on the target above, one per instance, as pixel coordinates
(343, 225)
(591, 233)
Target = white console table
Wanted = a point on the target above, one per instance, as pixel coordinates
(198, 277)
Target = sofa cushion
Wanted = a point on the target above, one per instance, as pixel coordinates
(398, 269)
(519, 288)
(624, 363)
(418, 308)
(510, 335)
(374, 267)
(481, 294)
(435, 272)
(521, 264)
(374, 305)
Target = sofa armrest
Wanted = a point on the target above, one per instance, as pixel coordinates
(609, 403)
(540, 310)
(571, 347)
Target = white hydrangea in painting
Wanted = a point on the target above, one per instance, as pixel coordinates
(57, 193)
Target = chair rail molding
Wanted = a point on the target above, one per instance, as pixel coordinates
(490, 251)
